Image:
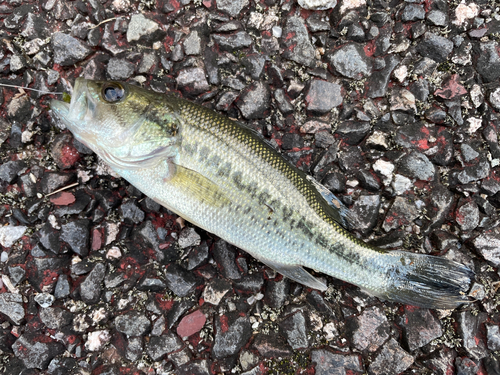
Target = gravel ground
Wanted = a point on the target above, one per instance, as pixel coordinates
(392, 105)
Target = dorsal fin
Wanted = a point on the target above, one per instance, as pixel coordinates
(337, 210)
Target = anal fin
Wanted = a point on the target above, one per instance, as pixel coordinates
(296, 273)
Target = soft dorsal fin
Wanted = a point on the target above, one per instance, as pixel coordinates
(337, 210)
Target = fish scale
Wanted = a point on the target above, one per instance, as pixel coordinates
(224, 178)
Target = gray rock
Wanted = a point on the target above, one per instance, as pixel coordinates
(159, 347)
(421, 327)
(488, 245)
(233, 42)
(120, 69)
(76, 235)
(254, 65)
(271, 346)
(351, 61)
(11, 305)
(469, 327)
(440, 205)
(413, 12)
(135, 348)
(323, 96)
(369, 330)
(141, 27)
(34, 353)
(276, 292)
(435, 47)
(192, 81)
(10, 170)
(232, 332)
(62, 287)
(130, 211)
(133, 323)
(68, 50)
(467, 215)
(295, 330)
(466, 366)
(192, 44)
(493, 337)
(475, 172)
(437, 18)
(416, 165)
(378, 81)
(52, 181)
(365, 213)
(488, 63)
(197, 367)
(189, 237)
(231, 7)
(402, 213)
(55, 317)
(17, 274)
(148, 62)
(91, 287)
(328, 363)
(353, 132)
(284, 104)
(298, 48)
(179, 280)
(391, 360)
(254, 102)
(468, 152)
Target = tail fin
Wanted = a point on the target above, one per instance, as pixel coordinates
(427, 281)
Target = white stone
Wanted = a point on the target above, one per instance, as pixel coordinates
(318, 4)
(16, 63)
(277, 31)
(26, 136)
(9, 234)
(351, 4)
(401, 184)
(330, 331)
(385, 169)
(99, 315)
(465, 12)
(45, 299)
(401, 73)
(402, 100)
(476, 95)
(255, 20)
(112, 230)
(495, 99)
(213, 296)
(97, 339)
(114, 252)
(474, 124)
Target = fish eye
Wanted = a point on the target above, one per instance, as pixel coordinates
(113, 92)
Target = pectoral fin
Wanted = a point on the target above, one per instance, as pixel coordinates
(296, 273)
(198, 186)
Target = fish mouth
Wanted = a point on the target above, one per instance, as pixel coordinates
(74, 114)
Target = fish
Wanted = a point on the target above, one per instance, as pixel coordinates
(225, 178)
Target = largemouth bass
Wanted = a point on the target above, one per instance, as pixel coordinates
(224, 178)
